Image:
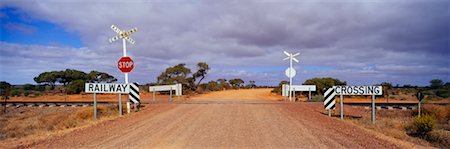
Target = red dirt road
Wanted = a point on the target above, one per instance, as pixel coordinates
(261, 123)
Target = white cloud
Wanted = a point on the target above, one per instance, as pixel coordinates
(379, 41)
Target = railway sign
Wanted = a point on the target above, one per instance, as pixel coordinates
(122, 34)
(291, 56)
(419, 96)
(358, 90)
(355, 90)
(125, 64)
(106, 88)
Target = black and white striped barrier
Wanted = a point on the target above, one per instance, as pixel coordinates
(329, 101)
(134, 93)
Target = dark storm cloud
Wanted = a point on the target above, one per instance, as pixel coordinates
(377, 40)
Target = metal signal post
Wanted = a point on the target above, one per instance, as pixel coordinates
(125, 37)
(290, 72)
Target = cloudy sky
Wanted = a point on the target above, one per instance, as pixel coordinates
(363, 43)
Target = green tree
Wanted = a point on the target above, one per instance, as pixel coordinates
(75, 87)
(223, 84)
(236, 83)
(436, 83)
(322, 83)
(251, 83)
(176, 74)
(202, 70)
(213, 86)
(5, 89)
(97, 77)
(47, 78)
(69, 75)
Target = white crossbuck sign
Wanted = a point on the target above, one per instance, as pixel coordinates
(122, 34)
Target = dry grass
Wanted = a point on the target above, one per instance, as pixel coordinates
(390, 123)
(22, 122)
(441, 113)
(393, 122)
(440, 137)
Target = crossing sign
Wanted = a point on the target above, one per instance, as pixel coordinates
(122, 34)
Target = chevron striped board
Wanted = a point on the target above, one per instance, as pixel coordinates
(329, 101)
(134, 93)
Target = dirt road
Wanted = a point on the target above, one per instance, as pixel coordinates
(211, 124)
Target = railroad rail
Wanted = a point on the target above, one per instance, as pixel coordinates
(390, 106)
(18, 104)
(367, 105)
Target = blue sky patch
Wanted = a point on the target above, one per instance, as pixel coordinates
(18, 27)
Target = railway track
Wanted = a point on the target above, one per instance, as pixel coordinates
(390, 106)
(18, 104)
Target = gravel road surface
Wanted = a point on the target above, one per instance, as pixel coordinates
(222, 123)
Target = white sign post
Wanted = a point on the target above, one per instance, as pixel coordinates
(290, 72)
(125, 36)
(294, 88)
(105, 88)
(177, 87)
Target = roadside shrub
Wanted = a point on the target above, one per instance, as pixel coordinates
(213, 86)
(40, 88)
(442, 93)
(16, 93)
(26, 93)
(420, 126)
(28, 87)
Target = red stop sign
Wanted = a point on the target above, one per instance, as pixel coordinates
(125, 64)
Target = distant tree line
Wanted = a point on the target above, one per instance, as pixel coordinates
(436, 89)
(72, 82)
(192, 82)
